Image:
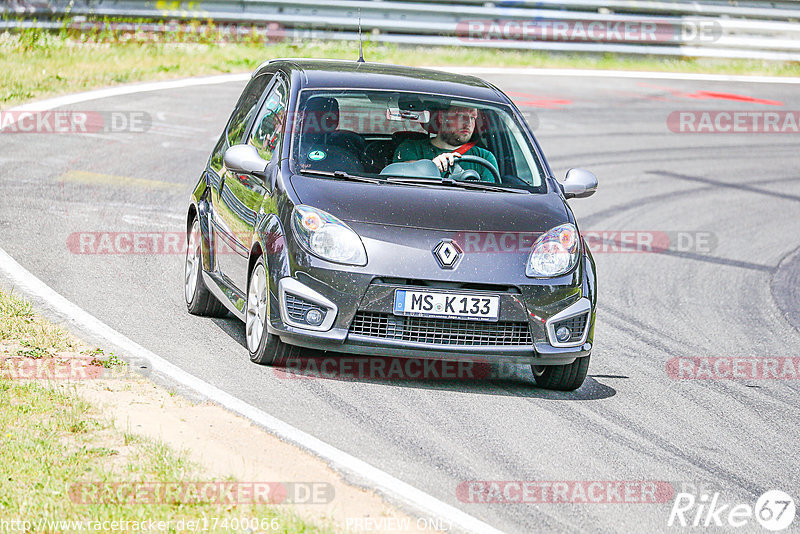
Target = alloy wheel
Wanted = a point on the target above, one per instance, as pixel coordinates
(256, 308)
(192, 265)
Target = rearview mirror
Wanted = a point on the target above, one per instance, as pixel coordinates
(579, 183)
(397, 114)
(244, 159)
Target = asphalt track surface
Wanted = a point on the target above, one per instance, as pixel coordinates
(631, 421)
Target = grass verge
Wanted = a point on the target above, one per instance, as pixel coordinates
(36, 64)
(67, 468)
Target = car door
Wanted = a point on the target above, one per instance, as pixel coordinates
(242, 195)
(222, 240)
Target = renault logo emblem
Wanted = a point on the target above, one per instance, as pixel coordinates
(447, 253)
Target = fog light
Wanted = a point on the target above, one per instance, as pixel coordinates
(314, 317)
(563, 334)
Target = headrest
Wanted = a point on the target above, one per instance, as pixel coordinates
(321, 115)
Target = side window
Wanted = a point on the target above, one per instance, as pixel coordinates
(268, 128)
(234, 129)
(246, 108)
(524, 164)
(523, 171)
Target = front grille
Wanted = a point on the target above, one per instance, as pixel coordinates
(296, 308)
(576, 326)
(440, 331)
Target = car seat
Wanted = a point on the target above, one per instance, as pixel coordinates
(322, 146)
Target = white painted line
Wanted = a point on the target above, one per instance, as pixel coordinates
(67, 100)
(521, 71)
(590, 73)
(390, 486)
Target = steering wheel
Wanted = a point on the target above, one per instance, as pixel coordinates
(456, 172)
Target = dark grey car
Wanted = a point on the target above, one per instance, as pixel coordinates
(322, 220)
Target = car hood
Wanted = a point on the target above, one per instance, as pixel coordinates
(440, 208)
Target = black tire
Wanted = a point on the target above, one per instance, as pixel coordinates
(562, 377)
(199, 300)
(271, 350)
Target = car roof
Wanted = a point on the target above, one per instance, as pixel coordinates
(331, 73)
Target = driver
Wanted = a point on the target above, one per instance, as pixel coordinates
(456, 126)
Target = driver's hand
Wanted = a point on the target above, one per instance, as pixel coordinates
(445, 161)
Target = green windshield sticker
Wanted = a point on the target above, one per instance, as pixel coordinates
(316, 155)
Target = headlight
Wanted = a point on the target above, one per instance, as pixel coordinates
(554, 253)
(325, 236)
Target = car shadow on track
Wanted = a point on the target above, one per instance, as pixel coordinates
(469, 376)
(233, 327)
(481, 378)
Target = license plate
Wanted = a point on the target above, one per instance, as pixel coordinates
(446, 305)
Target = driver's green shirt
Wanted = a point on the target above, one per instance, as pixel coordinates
(415, 149)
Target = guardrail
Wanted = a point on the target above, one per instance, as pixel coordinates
(751, 29)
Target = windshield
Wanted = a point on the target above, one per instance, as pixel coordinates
(390, 134)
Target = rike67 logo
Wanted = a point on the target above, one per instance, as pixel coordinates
(774, 511)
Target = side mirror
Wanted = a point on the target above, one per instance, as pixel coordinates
(244, 159)
(579, 183)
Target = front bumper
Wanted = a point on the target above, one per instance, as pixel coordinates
(523, 334)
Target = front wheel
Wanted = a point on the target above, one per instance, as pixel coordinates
(199, 300)
(264, 348)
(562, 377)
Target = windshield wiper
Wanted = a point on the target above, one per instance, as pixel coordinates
(419, 181)
(455, 183)
(343, 175)
(481, 186)
(356, 178)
